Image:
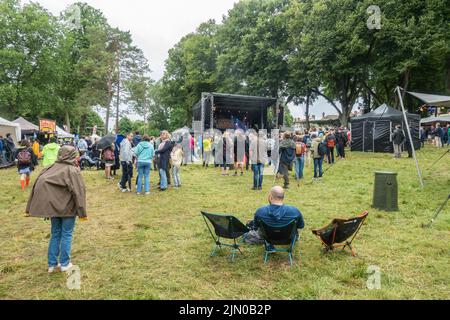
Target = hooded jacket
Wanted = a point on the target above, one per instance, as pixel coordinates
(287, 151)
(144, 152)
(126, 153)
(279, 216)
(315, 148)
(59, 191)
(50, 154)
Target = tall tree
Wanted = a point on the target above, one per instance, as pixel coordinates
(28, 73)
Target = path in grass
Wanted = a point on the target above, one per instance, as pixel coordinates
(157, 247)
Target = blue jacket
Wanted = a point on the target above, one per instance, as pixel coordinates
(144, 152)
(1, 145)
(279, 216)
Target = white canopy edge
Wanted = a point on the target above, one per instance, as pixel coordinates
(63, 134)
(432, 99)
(432, 119)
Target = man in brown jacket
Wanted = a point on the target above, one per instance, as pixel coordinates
(59, 194)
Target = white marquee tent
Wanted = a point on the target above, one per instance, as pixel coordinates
(10, 127)
(63, 134)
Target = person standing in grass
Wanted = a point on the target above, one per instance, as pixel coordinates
(207, 148)
(50, 152)
(330, 139)
(439, 136)
(26, 160)
(126, 160)
(2, 151)
(287, 157)
(398, 137)
(448, 134)
(163, 154)
(176, 157)
(227, 153)
(59, 194)
(239, 152)
(109, 158)
(341, 142)
(144, 153)
(36, 148)
(318, 156)
(300, 153)
(258, 158)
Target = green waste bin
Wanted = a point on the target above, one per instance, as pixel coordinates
(385, 193)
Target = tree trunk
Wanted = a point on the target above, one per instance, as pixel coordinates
(67, 121)
(308, 124)
(118, 93)
(343, 119)
(108, 105)
(83, 124)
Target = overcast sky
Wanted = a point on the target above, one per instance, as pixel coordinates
(157, 25)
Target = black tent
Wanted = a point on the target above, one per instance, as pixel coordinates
(371, 132)
(221, 111)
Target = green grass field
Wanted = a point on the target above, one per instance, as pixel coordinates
(157, 247)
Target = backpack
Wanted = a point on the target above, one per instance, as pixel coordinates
(300, 149)
(24, 157)
(330, 142)
(322, 149)
(308, 141)
(108, 155)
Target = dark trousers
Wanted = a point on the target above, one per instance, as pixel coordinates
(168, 174)
(330, 154)
(284, 170)
(127, 174)
(340, 149)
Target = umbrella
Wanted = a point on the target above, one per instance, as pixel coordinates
(106, 141)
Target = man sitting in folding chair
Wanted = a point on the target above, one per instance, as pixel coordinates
(277, 221)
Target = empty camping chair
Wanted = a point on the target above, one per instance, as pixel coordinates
(225, 226)
(335, 234)
(275, 236)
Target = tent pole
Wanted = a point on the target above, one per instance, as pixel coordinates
(411, 142)
(364, 136)
(203, 114)
(373, 137)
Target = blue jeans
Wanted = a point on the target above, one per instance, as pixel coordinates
(258, 174)
(318, 165)
(299, 166)
(3, 156)
(163, 176)
(60, 241)
(176, 176)
(143, 173)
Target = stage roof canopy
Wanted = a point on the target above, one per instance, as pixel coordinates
(236, 101)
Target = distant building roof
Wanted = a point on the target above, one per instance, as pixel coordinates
(331, 117)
